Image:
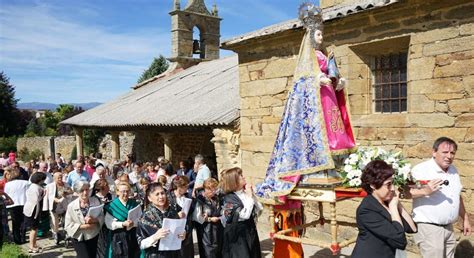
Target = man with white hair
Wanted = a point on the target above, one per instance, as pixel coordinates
(100, 173)
(203, 173)
(43, 168)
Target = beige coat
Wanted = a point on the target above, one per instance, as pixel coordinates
(48, 202)
(74, 219)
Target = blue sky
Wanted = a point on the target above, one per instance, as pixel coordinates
(70, 51)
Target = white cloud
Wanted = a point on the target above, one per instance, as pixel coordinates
(40, 48)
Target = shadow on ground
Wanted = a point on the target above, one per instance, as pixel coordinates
(325, 253)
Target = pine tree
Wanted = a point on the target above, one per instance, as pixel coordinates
(9, 112)
(158, 66)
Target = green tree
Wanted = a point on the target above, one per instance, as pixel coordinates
(9, 112)
(64, 112)
(158, 66)
(92, 139)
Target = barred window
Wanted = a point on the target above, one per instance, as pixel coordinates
(390, 83)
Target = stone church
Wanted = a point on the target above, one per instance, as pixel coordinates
(191, 108)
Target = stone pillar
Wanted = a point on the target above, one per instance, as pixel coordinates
(79, 141)
(115, 145)
(167, 145)
(226, 143)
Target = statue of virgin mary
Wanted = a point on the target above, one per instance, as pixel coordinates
(315, 129)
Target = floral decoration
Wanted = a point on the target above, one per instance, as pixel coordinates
(351, 172)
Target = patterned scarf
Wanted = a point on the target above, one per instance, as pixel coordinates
(153, 217)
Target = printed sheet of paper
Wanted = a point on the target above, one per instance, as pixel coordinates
(135, 214)
(186, 205)
(95, 211)
(172, 241)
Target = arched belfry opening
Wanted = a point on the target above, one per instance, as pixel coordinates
(199, 47)
(195, 33)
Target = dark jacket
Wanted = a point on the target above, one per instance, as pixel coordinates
(240, 237)
(378, 235)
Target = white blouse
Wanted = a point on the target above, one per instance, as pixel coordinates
(249, 203)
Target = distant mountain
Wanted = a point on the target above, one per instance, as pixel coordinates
(51, 106)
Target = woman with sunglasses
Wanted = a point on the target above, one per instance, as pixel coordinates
(381, 218)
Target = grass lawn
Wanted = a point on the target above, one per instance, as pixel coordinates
(12, 250)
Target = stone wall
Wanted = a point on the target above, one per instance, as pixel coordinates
(226, 142)
(188, 145)
(43, 144)
(148, 145)
(126, 145)
(64, 145)
(49, 145)
(438, 37)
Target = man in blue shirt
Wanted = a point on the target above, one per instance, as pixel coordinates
(203, 173)
(78, 174)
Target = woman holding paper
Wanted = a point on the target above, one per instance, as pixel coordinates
(84, 218)
(150, 226)
(207, 216)
(121, 239)
(179, 196)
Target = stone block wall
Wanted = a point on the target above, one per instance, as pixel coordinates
(64, 145)
(188, 145)
(148, 145)
(36, 143)
(126, 145)
(226, 144)
(49, 145)
(438, 37)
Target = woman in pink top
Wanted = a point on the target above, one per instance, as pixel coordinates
(151, 172)
(89, 167)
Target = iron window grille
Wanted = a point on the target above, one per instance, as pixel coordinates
(390, 83)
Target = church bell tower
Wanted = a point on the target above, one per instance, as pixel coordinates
(195, 19)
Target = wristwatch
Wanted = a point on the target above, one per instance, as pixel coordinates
(209, 219)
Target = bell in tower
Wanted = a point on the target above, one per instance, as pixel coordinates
(196, 47)
(187, 49)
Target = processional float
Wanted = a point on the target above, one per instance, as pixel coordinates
(314, 138)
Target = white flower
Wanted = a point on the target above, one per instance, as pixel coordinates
(390, 160)
(355, 182)
(356, 162)
(405, 171)
(370, 154)
(364, 163)
(353, 158)
(347, 168)
(357, 173)
(381, 152)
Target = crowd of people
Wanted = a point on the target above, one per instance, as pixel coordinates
(87, 203)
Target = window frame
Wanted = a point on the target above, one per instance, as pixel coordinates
(382, 79)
